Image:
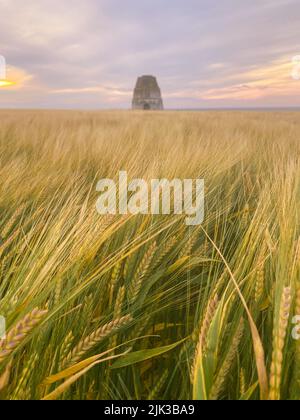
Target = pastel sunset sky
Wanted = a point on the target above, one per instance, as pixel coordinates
(205, 53)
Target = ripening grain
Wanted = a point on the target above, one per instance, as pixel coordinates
(145, 307)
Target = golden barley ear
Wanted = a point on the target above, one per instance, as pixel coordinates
(278, 344)
(95, 338)
(65, 348)
(18, 334)
(243, 385)
(165, 251)
(188, 247)
(210, 312)
(118, 312)
(114, 281)
(202, 338)
(13, 220)
(5, 377)
(260, 279)
(297, 343)
(297, 303)
(57, 292)
(136, 284)
(156, 391)
(23, 380)
(228, 362)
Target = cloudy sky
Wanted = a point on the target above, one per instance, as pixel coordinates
(205, 53)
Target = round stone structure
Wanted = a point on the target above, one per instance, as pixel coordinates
(147, 94)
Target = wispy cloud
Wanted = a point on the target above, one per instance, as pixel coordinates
(94, 89)
(19, 77)
(273, 80)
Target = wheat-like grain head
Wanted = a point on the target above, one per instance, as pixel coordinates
(278, 344)
(95, 338)
(142, 271)
(202, 338)
(20, 332)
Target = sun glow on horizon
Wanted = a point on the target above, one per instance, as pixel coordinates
(6, 83)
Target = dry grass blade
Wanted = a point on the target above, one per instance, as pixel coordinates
(64, 387)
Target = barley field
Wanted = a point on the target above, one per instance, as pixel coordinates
(145, 307)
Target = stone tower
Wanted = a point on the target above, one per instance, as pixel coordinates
(147, 94)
